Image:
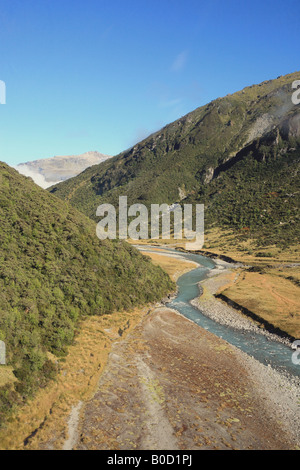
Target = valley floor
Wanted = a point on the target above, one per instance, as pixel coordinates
(172, 385)
(164, 383)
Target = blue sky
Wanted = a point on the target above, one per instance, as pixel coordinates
(101, 75)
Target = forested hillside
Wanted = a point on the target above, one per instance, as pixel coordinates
(53, 271)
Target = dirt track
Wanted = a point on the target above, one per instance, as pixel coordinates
(172, 385)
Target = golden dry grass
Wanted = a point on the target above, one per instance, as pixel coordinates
(175, 267)
(291, 273)
(224, 242)
(272, 298)
(6, 375)
(79, 374)
(77, 380)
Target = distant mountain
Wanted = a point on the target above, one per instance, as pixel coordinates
(53, 271)
(48, 171)
(238, 154)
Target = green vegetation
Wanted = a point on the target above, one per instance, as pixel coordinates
(53, 272)
(259, 195)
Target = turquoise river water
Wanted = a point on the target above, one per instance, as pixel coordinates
(262, 348)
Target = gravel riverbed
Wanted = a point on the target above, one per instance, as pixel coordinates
(280, 392)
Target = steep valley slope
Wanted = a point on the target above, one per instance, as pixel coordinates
(53, 272)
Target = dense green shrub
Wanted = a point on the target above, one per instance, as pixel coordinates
(53, 271)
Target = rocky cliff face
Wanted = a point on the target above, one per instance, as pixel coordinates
(291, 126)
(49, 171)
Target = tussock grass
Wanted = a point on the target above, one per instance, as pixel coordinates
(77, 381)
(225, 242)
(175, 267)
(6, 375)
(272, 298)
(79, 373)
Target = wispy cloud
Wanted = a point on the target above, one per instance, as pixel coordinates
(170, 103)
(180, 61)
(37, 177)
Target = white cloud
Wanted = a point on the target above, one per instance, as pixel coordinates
(38, 178)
